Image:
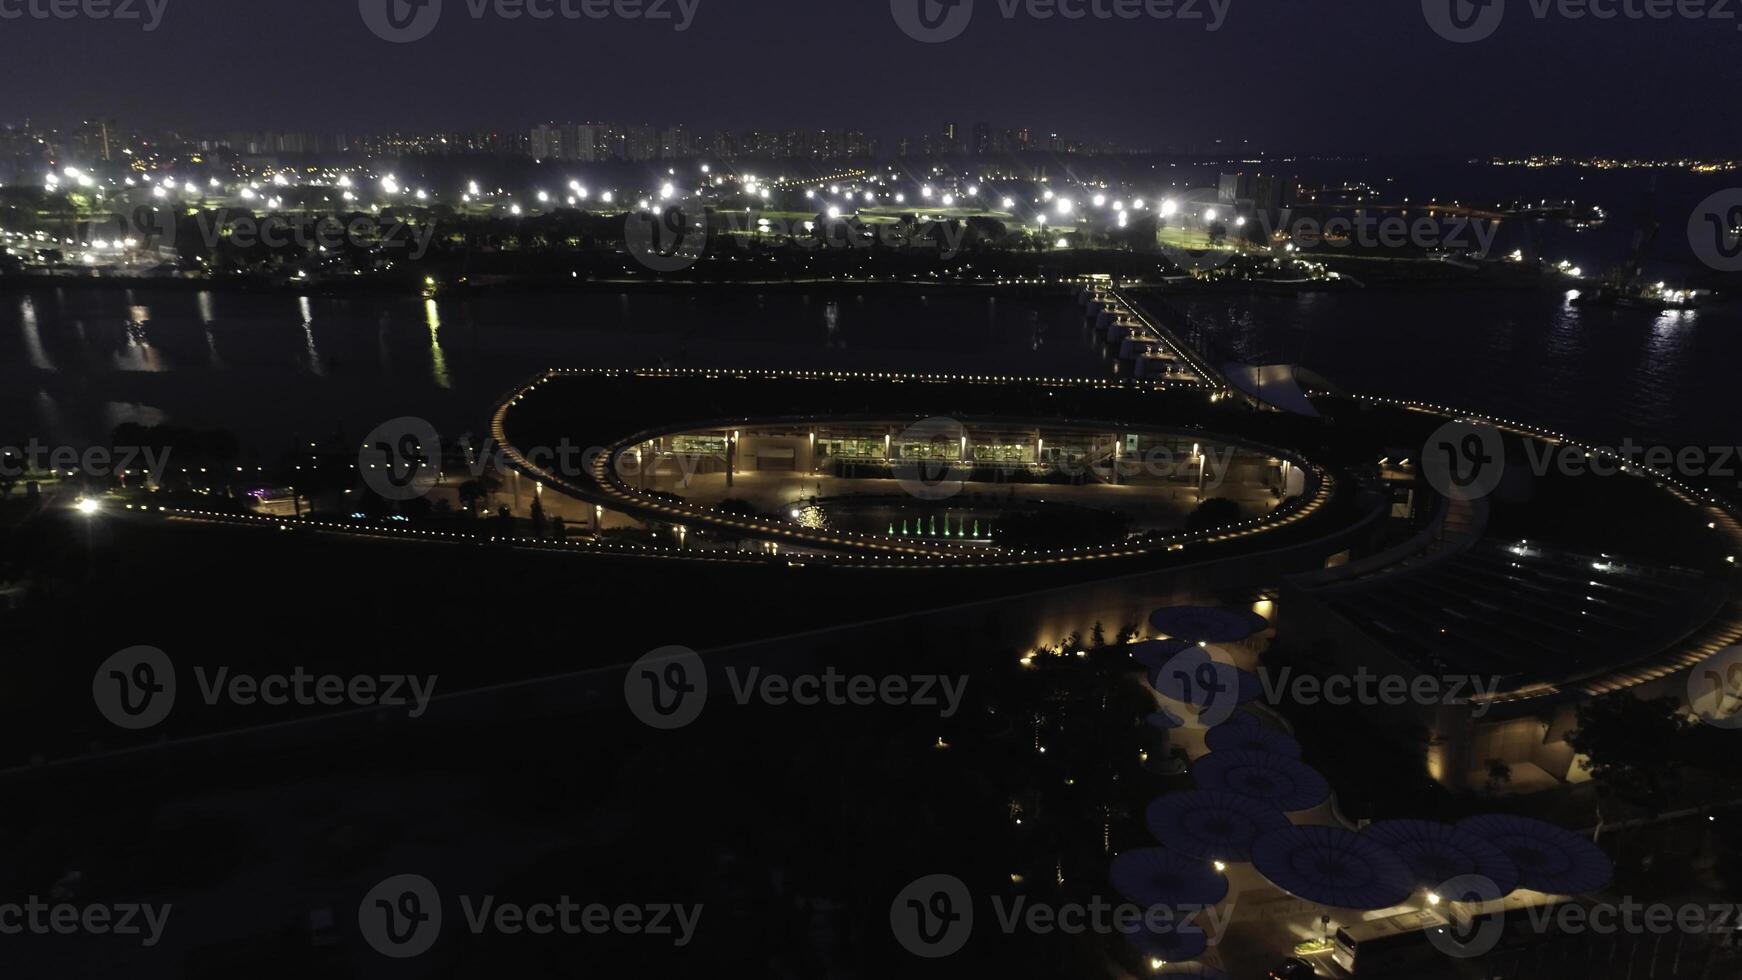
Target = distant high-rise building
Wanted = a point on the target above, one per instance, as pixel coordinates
(675, 144)
(589, 143)
(547, 141)
(641, 143)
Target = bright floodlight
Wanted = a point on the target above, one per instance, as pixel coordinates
(1210, 215)
(925, 192)
(388, 185)
(544, 197)
(87, 506)
(666, 191)
(1009, 203)
(949, 199)
(1100, 200)
(1064, 205)
(1169, 208)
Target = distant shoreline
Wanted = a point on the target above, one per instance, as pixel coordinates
(20, 283)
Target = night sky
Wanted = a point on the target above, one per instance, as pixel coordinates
(1287, 75)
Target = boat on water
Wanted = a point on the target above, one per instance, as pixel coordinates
(1626, 286)
(1638, 295)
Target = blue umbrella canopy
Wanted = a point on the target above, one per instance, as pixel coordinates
(1157, 653)
(1207, 624)
(1287, 784)
(1333, 866)
(1195, 677)
(1212, 826)
(1164, 720)
(1234, 737)
(1549, 858)
(1243, 718)
(1157, 876)
(1439, 852)
(1186, 942)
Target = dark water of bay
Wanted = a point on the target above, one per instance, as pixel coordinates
(1599, 374)
(280, 368)
(275, 369)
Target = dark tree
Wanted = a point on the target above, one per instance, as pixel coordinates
(1632, 746)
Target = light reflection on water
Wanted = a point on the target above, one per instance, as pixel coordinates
(438, 364)
(32, 335)
(308, 335)
(1603, 374)
(279, 368)
(276, 368)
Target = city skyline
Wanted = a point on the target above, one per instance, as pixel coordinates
(98, 137)
(1377, 80)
